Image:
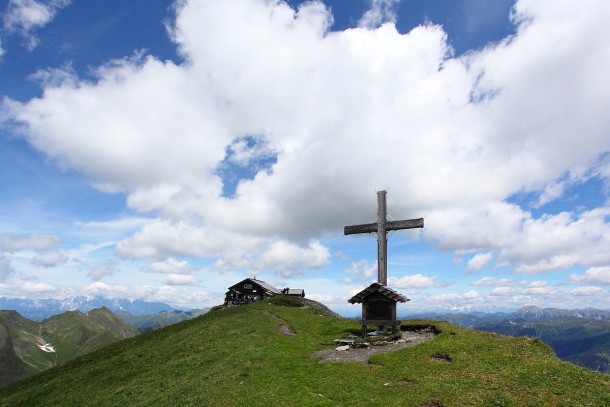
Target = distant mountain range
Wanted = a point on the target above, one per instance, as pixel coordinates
(28, 347)
(37, 310)
(579, 336)
(147, 323)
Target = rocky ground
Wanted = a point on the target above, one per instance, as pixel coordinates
(349, 353)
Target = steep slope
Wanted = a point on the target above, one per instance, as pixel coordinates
(241, 356)
(28, 347)
(572, 338)
(580, 336)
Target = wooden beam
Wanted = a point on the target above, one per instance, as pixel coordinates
(355, 229)
(405, 224)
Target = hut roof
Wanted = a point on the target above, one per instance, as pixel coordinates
(261, 283)
(382, 289)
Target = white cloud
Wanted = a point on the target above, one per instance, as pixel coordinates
(539, 291)
(588, 291)
(25, 16)
(490, 281)
(100, 271)
(478, 261)
(287, 258)
(381, 11)
(13, 243)
(6, 268)
(323, 102)
(502, 291)
(449, 297)
(362, 268)
(170, 266)
(35, 287)
(594, 275)
(181, 279)
(49, 259)
(173, 296)
(413, 281)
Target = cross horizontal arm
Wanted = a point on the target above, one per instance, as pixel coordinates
(355, 229)
(405, 224)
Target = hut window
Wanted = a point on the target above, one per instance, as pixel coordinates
(247, 286)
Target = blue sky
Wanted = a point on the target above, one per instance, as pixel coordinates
(163, 151)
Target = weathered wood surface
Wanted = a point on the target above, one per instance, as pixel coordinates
(357, 229)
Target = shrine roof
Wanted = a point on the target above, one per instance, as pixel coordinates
(382, 289)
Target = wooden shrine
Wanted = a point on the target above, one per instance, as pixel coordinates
(378, 307)
(379, 301)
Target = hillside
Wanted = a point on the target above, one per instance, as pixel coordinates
(28, 347)
(243, 356)
(580, 336)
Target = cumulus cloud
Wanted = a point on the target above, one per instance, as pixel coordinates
(594, 275)
(502, 291)
(362, 268)
(6, 268)
(588, 291)
(39, 243)
(478, 261)
(322, 102)
(35, 287)
(490, 281)
(25, 16)
(170, 266)
(100, 271)
(181, 279)
(538, 288)
(49, 259)
(413, 281)
(168, 294)
(381, 11)
(449, 297)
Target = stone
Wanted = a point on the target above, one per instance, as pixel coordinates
(342, 348)
(361, 345)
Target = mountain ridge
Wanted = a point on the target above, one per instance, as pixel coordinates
(240, 355)
(579, 336)
(29, 347)
(40, 309)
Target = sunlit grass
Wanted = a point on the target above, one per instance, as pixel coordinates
(237, 356)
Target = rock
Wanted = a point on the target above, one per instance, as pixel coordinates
(344, 341)
(379, 343)
(342, 348)
(361, 345)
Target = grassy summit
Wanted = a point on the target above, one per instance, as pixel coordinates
(239, 356)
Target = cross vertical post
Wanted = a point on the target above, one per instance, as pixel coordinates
(382, 239)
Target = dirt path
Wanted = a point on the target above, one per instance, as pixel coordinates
(362, 355)
(282, 327)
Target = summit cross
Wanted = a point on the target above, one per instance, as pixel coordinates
(382, 227)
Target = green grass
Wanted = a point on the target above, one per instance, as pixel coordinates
(236, 356)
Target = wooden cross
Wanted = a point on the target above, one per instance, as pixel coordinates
(382, 227)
